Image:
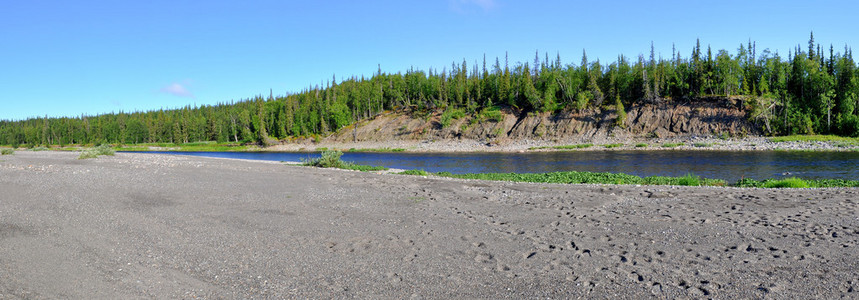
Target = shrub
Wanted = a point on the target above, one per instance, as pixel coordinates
(7, 151)
(700, 145)
(491, 114)
(331, 159)
(671, 145)
(449, 115)
(609, 146)
(104, 149)
(689, 180)
(577, 146)
(791, 182)
(641, 145)
(414, 172)
(362, 168)
(621, 113)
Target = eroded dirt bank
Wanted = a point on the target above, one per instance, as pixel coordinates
(665, 119)
(144, 225)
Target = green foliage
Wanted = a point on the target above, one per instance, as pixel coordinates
(577, 146)
(609, 146)
(791, 182)
(689, 180)
(641, 145)
(620, 121)
(583, 99)
(449, 115)
(7, 151)
(187, 147)
(574, 177)
(490, 114)
(815, 138)
(702, 144)
(362, 168)
(328, 159)
(385, 149)
(103, 149)
(331, 159)
(414, 172)
(794, 182)
(672, 145)
(564, 147)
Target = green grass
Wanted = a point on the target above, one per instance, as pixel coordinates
(816, 138)
(564, 147)
(386, 149)
(574, 177)
(186, 147)
(414, 172)
(794, 182)
(331, 159)
(362, 168)
(490, 114)
(672, 145)
(449, 115)
(701, 145)
(97, 151)
(641, 145)
(7, 151)
(609, 146)
(689, 180)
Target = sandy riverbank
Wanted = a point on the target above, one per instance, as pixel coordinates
(688, 143)
(159, 226)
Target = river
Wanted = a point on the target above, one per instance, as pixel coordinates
(727, 165)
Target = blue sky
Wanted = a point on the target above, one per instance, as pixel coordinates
(68, 58)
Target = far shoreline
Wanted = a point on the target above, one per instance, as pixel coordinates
(694, 143)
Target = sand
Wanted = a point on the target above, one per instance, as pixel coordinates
(160, 226)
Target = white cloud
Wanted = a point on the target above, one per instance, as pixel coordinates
(464, 6)
(177, 90)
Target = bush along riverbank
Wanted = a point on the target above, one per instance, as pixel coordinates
(331, 159)
(574, 177)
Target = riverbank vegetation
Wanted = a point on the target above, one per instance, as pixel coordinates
(7, 151)
(589, 177)
(564, 147)
(97, 151)
(208, 146)
(331, 159)
(573, 177)
(837, 140)
(808, 91)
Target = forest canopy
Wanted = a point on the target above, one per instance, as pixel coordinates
(811, 91)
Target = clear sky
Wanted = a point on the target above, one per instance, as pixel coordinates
(67, 58)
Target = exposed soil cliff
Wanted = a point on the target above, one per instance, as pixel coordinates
(678, 118)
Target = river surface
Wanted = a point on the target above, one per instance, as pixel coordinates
(727, 165)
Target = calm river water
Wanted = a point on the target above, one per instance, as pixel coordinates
(727, 165)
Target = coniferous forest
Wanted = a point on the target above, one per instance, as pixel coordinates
(813, 90)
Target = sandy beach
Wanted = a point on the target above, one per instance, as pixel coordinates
(160, 226)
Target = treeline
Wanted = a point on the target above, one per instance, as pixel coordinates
(811, 91)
